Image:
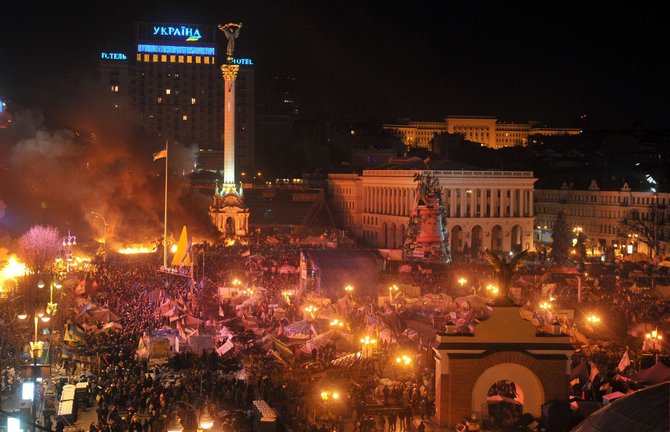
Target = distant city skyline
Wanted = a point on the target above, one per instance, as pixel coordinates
(354, 59)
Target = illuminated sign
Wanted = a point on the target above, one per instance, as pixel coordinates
(243, 61)
(191, 34)
(113, 56)
(173, 49)
(2, 106)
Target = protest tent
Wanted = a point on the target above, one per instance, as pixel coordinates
(656, 374)
(643, 410)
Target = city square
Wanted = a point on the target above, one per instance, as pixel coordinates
(199, 232)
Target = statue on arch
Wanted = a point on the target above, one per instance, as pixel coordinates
(232, 32)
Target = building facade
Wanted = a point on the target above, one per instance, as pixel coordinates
(485, 209)
(488, 131)
(170, 80)
(608, 218)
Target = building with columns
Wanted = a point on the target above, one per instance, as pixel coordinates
(486, 130)
(486, 209)
(599, 210)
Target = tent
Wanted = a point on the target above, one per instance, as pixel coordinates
(644, 410)
(343, 341)
(300, 330)
(103, 315)
(656, 374)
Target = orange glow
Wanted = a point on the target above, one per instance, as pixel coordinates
(139, 249)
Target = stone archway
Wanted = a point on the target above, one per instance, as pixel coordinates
(517, 238)
(476, 240)
(497, 238)
(457, 239)
(524, 378)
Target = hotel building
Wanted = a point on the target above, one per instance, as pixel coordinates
(170, 79)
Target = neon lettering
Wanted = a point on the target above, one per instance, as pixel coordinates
(191, 34)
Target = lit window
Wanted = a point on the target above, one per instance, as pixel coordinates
(146, 57)
(192, 101)
(198, 59)
(180, 59)
(206, 60)
(168, 91)
(184, 117)
(172, 59)
(115, 88)
(163, 58)
(159, 99)
(155, 58)
(189, 59)
(139, 57)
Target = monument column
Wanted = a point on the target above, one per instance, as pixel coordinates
(229, 76)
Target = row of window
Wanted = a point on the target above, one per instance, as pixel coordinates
(604, 199)
(172, 58)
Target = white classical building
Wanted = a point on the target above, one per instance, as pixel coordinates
(492, 209)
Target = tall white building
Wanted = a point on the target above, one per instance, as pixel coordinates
(492, 209)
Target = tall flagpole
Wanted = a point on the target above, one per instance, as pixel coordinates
(165, 210)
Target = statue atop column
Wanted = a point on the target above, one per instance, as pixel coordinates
(232, 32)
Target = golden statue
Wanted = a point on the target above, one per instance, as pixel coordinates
(232, 32)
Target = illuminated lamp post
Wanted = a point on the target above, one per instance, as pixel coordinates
(368, 345)
(349, 290)
(492, 289)
(205, 420)
(311, 311)
(393, 289)
(653, 340)
(329, 396)
(35, 353)
(52, 307)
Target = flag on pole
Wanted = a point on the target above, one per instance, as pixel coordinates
(160, 154)
(624, 363)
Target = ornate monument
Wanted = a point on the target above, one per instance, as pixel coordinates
(426, 238)
(228, 211)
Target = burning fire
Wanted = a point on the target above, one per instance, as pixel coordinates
(13, 269)
(134, 250)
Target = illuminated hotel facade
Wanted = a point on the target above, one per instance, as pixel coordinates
(488, 131)
(486, 209)
(171, 80)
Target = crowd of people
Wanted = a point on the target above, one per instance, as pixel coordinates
(133, 394)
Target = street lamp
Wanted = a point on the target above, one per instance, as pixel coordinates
(462, 281)
(542, 229)
(403, 360)
(311, 311)
(205, 420)
(492, 289)
(349, 289)
(51, 306)
(35, 352)
(328, 396)
(545, 306)
(393, 288)
(368, 345)
(337, 323)
(593, 319)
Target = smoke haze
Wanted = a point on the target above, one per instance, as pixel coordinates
(95, 160)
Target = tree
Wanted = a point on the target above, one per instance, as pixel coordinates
(648, 226)
(580, 246)
(560, 239)
(39, 247)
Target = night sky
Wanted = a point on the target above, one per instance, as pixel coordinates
(422, 60)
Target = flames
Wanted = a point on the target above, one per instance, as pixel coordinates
(12, 270)
(138, 249)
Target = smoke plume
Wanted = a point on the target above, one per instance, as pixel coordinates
(97, 159)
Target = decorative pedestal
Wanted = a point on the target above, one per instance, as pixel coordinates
(228, 212)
